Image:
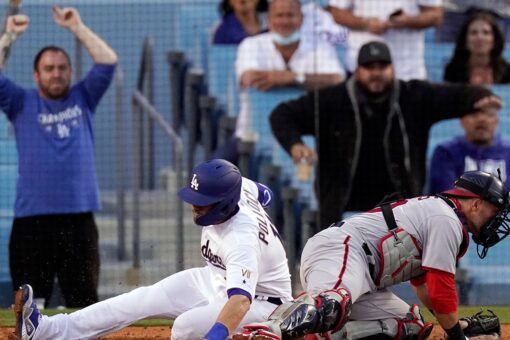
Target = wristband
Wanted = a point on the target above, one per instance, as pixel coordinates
(11, 36)
(218, 332)
(455, 333)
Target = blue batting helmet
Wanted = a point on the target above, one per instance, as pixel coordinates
(218, 183)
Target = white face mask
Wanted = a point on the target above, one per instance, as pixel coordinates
(284, 41)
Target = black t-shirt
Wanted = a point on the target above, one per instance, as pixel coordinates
(371, 181)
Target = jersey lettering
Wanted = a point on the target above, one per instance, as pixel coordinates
(262, 218)
(210, 257)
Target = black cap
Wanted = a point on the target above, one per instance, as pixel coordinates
(374, 51)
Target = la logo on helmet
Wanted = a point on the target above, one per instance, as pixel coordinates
(194, 182)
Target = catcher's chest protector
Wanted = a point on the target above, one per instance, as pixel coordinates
(400, 258)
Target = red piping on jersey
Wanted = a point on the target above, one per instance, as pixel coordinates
(392, 205)
(344, 263)
(381, 266)
(399, 269)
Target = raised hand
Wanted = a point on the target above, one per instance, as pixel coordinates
(488, 102)
(67, 17)
(17, 24)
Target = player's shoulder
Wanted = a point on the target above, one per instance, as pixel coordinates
(432, 205)
(240, 229)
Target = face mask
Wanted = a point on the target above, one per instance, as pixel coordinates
(284, 41)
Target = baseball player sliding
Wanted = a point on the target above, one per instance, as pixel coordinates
(346, 268)
(246, 275)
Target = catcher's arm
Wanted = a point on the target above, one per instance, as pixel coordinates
(449, 321)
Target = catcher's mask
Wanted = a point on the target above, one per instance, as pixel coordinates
(490, 188)
(218, 183)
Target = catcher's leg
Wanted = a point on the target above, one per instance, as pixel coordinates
(412, 327)
(328, 311)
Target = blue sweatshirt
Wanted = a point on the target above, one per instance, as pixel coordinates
(451, 159)
(55, 143)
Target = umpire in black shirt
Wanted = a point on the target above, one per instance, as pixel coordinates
(371, 131)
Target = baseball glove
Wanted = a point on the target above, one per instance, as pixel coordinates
(482, 323)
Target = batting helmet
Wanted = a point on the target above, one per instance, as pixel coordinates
(488, 187)
(218, 183)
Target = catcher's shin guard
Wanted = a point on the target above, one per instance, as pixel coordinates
(328, 311)
(412, 327)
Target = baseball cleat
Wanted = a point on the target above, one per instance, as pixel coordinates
(27, 314)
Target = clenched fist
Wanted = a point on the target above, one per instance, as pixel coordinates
(17, 23)
(67, 17)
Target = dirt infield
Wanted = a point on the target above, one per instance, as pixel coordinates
(142, 333)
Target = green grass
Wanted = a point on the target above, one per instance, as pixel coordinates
(7, 317)
(503, 312)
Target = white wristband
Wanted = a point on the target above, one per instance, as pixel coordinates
(11, 36)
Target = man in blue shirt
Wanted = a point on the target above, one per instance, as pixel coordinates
(479, 149)
(54, 232)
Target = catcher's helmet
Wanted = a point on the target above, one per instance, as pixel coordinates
(490, 188)
(216, 182)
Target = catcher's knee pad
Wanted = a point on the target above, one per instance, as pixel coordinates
(328, 311)
(334, 308)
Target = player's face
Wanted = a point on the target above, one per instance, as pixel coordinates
(244, 6)
(479, 39)
(480, 126)
(284, 17)
(53, 75)
(375, 78)
(198, 211)
(479, 213)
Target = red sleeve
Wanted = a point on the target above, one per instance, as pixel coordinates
(442, 292)
(418, 281)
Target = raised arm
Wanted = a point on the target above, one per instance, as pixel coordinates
(15, 26)
(99, 50)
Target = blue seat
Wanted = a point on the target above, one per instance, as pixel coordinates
(436, 58)
(221, 77)
(8, 178)
(442, 132)
(5, 127)
(262, 104)
(8, 153)
(5, 232)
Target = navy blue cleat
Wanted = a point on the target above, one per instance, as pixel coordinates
(27, 314)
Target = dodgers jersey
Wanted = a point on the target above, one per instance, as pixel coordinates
(55, 143)
(429, 219)
(246, 250)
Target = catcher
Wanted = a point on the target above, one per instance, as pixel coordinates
(347, 268)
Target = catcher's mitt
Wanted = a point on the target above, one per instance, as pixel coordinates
(482, 323)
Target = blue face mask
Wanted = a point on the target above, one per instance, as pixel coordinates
(284, 41)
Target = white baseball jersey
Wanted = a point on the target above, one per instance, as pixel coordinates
(247, 251)
(407, 46)
(244, 255)
(435, 226)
